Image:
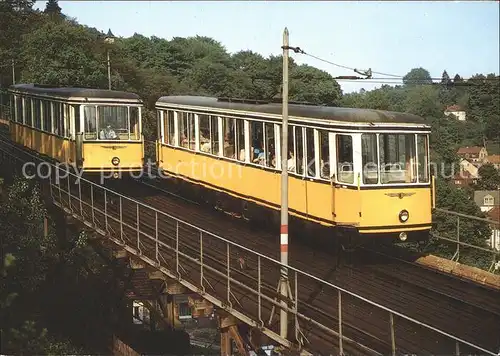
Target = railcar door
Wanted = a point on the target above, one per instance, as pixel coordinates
(346, 194)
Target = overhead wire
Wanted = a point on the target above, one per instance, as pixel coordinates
(381, 80)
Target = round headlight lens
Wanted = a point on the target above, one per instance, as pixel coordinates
(115, 161)
(403, 216)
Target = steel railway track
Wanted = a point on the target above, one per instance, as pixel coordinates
(432, 297)
(318, 304)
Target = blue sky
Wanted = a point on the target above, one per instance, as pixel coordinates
(389, 37)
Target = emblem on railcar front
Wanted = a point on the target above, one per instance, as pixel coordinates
(399, 195)
(113, 147)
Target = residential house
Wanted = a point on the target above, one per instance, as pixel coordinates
(473, 154)
(487, 199)
(467, 166)
(464, 179)
(456, 111)
(494, 214)
(494, 160)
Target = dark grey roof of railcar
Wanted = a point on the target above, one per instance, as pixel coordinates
(75, 92)
(306, 111)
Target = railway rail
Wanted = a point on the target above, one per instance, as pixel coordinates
(329, 316)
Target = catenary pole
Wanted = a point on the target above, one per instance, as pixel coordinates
(284, 191)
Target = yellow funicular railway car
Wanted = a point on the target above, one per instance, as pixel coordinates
(93, 130)
(354, 169)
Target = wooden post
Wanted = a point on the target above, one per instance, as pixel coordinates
(45, 227)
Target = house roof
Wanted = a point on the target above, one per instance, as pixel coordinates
(464, 175)
(467, 149)
(494, 214)
(480, 194)
(495, 159)
(454, 108)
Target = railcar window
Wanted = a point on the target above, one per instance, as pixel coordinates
(37, 117)
(270, 144)
(169, 131)
(164, 138)
(205, 134)
(75, 110)
(134, 123)
(28, 118)
(113, 122)
(240, 139)
(214, 134)
(345, 163)
(19, 109)
(291, 149)
(191, 132)
(186, 130)
(47, 116)
(423, 164)
(90, 122)
(310, 152)
(299, 149)
(397, 158)
(257, 152)
(228, 128)
(324, 154)
(369, 158)
(57, 119)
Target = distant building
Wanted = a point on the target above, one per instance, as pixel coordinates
(486, 200)
(473, 154)
(494, 160)
(456, 111)
(467, 167)
(464, 179)
(494, 214)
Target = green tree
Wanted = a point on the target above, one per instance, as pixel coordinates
(489, 177)
(52, 8)
(417, 76)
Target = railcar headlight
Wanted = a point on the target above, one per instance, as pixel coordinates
(115, 161)
(403, 216)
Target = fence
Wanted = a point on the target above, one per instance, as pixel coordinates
(455, 238)
(241, 281)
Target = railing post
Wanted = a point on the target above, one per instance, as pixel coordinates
(105, 210)
(80, 197)
(393, 337)
(156, 237)
(341, 344)
(177, 248)
(69, 194)
(259, 298)
(121, 221)
(138, 234)
(92, 202)
(457, 348)
(201, 261)
(228, 273)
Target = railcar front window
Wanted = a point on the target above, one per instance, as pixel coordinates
(369, 159)
(397, 158)
(113, 122)
(423, 163)
(345, 162)
(134, 123)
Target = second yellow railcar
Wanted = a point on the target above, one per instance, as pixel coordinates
(358, 169)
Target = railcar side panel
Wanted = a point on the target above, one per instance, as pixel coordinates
(306, 198)
(58, 148)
